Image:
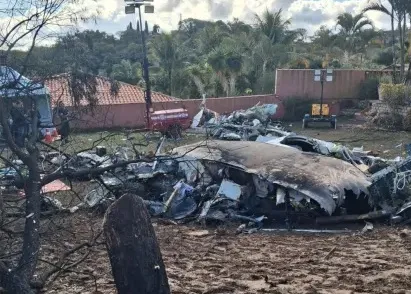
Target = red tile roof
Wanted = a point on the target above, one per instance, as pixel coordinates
(58, 87)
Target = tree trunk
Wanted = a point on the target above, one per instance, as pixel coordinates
(134, 253)
(14, 284)
(31, 239)
(408, 78)
(170, 74)
(232, 81)
(405, 37)
(394, 61)
(402, 46)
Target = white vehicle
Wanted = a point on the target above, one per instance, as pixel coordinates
(15, 86)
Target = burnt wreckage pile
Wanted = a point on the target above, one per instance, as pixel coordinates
(257, 171)
(217, 181)
(254, 172)
(262, 171)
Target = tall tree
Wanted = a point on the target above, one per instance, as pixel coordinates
(402, 7)
(227, 62)
(130, 26)
(408, 78)
(126, 72)
(167, 52)
(393, 10)
(350, 28)
(156, 29)
(32, 20)
(273, 25)
(323, 38)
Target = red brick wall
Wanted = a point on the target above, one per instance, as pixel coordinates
(133, 115)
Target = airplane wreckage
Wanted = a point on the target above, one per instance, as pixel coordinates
(217, 181)
(253, 170)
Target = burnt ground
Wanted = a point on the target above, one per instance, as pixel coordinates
(215, 260)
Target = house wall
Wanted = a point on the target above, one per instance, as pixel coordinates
(300, 83)
(133, 115)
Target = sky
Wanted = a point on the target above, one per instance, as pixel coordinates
(308, 14)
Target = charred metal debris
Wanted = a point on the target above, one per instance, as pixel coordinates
(253, 171)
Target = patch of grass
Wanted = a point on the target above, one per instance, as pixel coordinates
(142, 142)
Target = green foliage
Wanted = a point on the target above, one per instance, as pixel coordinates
(384, 57)
(299, 63)
(395, 95)
(296, 107)
(205, 57)
(386, 79)
(369, 89)
(126, 72)
(335, 64)
(352, 37)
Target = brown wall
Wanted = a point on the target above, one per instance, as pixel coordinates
(300, 83)
(133, 115)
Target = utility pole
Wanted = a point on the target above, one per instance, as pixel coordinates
(130, 9)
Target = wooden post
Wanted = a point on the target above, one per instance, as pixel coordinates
(134, 253)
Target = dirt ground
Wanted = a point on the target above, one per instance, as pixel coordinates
(215, 260)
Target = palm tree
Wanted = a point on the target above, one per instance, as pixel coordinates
(273, 25)
(377, 5)
(227, 62)
(210, 38)
(351, 26)
(166, 51)
(203, 77)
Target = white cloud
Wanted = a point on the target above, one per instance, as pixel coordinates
(308, 14)
(59, 21)
(311, 14)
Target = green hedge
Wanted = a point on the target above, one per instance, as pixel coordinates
(395, 95)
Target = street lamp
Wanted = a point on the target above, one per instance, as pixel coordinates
(131, 9)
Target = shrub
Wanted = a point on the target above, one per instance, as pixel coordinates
(386, 79)
(384, 58)
(299, 63)
(393, 121)
(369, 89)
(395, 95)
(296, 107)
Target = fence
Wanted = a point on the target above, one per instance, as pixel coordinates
(133, 115)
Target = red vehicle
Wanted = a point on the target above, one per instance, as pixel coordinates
(170, 122)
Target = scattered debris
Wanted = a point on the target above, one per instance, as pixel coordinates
(201, 233)
(311, 231)
(330, 252)
(284, 168)
(367, 228)
(252, 172)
